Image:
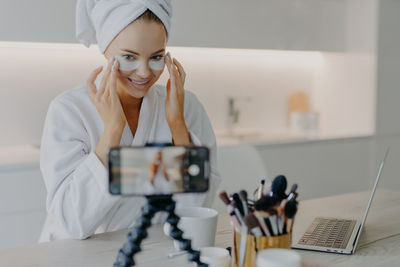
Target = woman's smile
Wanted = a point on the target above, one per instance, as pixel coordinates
(139, 84)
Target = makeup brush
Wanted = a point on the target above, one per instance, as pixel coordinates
(237, 212)
(235, 221)
(261, 189)
(267, 206)
(268, 223)
(261, 222)
(292, 194)
(267, 203)
(290, 212)
(239, 203)
(224, 197)
(252, 224)
(274, 224)
(243, 198)
(278, 186)
(290, 209)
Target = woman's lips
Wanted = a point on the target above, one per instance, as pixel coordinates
(139, 84)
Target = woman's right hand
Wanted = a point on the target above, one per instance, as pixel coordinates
(107, 103)
(105, 98)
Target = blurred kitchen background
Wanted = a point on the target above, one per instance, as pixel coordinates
(305, 88)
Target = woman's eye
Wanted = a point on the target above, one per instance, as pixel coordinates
(159, 57)
(128, 57)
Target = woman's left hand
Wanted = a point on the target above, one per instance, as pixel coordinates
(174, 103)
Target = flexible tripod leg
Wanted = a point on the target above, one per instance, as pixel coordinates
(135, 237)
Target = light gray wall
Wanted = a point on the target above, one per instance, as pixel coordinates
(37, 20)
(388, 90)
(388, 69)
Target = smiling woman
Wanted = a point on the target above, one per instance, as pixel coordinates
(120, 105)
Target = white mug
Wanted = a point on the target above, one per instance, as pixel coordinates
(198, 224)
(278, 257)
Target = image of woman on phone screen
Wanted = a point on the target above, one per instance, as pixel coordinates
(120, 105)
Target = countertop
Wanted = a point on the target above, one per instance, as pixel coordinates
(19, 157)
(28, 155)
(280, 138)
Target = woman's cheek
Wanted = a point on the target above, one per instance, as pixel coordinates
(157, 74)
(125, 74)
(122, 82)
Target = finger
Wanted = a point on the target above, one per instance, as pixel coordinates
(181, 71)
(90, 81)
(168, 88)
(168, 62)
(106, 75)
(173, 75)
(176, 78)
(112, 84)
(171, 70)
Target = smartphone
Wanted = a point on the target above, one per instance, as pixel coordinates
(145, 171)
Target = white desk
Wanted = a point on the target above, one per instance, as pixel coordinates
(379, 243)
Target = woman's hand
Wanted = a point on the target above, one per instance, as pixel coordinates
(105, 98)
(174, 103)
(107, 103)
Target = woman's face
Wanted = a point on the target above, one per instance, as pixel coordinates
(140, 43)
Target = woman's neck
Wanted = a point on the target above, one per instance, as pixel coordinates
(131, 105)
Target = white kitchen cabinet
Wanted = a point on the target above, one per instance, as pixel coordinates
(259, 24)
(21, 228)
(22, 190)
(324, 167)
(22, 198)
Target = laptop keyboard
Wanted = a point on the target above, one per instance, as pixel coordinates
(328, 232)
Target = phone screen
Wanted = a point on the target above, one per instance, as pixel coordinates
(158, 170)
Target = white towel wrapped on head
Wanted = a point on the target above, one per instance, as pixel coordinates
(100, 21)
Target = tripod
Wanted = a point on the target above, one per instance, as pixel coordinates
(139, 232)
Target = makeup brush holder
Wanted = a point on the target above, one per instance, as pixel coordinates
(255, 244)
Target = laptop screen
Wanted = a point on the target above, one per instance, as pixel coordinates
(371, 197)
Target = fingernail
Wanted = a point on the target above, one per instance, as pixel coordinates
(99, 68)
(114, 65)
(111, 59)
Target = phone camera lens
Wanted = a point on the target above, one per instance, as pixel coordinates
(194, 170)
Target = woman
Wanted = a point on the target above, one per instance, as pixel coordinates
(116, 107)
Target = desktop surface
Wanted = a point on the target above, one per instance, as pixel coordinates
(379, 243)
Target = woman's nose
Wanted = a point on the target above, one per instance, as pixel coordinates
(143, 70)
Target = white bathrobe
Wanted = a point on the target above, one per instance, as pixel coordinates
(78, 202)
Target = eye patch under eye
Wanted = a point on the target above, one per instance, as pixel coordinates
(126, 65)
(155, 64)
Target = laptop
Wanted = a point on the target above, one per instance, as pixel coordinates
(334, 234)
